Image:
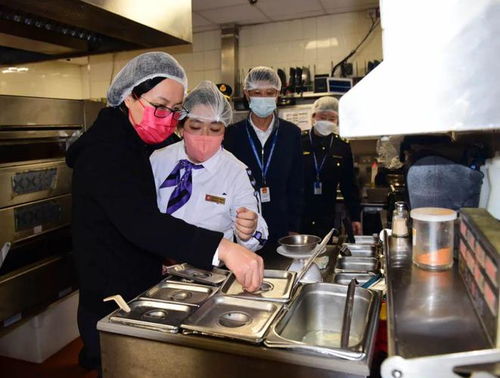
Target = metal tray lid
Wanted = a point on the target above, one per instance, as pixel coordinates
(180, 292)
(276, 286)
(214, 277)
(150, 313)
(234, 318)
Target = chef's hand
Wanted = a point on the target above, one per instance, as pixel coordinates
(246, 223)
(356, 228)
(247, 266)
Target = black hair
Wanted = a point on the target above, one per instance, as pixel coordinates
(142, 88)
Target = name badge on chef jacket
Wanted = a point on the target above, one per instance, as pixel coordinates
(318, 188)
(265, 194)
(216, 199)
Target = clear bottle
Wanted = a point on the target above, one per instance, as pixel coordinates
(400, 220)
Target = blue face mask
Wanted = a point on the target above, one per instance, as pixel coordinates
(263, 106)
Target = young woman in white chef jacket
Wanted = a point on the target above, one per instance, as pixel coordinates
(203, 184)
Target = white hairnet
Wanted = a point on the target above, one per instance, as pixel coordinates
(215, 107)
(326, 104)
(262, 77)
(144, 67)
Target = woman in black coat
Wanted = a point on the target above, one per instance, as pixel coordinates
(120, 237)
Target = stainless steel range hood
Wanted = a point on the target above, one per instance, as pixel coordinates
(440, 71)
(35, 30)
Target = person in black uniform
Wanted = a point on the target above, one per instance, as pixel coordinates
(271, 148)
(120, 237)
(327, 163)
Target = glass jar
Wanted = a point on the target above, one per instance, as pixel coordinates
(433, 229)
(400, 220)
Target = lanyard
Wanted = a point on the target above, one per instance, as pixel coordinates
(318, 169)
(264, 166)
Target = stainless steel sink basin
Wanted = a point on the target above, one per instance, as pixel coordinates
(150, 313)
(235, 318)
(181, 292)
(356, 264)
(314, 322)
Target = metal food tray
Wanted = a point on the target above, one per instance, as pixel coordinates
(180, 292)
(351, 264)
(366, 239)
(345, 278)
(214, 277)
(309, 327)
(361, 250)
(153, 314)
(276, 285)
(234, 318)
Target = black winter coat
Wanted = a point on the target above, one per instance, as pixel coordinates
(120, 237)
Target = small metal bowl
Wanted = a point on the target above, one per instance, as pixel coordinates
(299, 243)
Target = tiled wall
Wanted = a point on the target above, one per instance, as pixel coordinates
(201, 62)
(315, 42)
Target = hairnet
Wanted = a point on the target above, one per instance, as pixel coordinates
(216, 108)
(262, 77)
(326, 104)
(144, 67)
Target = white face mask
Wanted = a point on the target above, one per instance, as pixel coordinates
(263, 106)
(325, 128)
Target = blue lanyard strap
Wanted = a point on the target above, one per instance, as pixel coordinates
(264, 166)
(316, 168)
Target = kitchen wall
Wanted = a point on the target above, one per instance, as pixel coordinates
(313, 42)
(46, 79)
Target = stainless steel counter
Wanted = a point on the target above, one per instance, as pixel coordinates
(132, 352)
(429, 314)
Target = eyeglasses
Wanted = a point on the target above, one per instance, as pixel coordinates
(162, 111)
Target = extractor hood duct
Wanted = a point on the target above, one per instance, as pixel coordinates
(35, 30)
(440, 71)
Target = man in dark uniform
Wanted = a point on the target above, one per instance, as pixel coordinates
(327, 163)
(271, 148)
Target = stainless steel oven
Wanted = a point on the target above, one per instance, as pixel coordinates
(35, 201)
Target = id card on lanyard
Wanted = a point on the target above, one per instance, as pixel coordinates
(265, 191)
(317, 185)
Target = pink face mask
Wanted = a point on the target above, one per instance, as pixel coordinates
(202, 147)
(151, 129)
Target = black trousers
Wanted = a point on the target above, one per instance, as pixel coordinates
(88, 316)
(318, 225)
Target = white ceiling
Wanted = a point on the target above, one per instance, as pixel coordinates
(211, 14)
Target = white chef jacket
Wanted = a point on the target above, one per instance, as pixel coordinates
(263, 135)
(220, 188)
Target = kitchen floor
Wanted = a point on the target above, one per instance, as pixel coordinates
(63, 364)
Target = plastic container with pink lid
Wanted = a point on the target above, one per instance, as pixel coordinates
(433, 229)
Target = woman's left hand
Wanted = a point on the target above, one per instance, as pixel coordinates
(356, 228)
(246, 223)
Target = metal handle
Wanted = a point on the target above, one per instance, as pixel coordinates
(346, 322)
(119, 301)
(436, 366)
(3, 252)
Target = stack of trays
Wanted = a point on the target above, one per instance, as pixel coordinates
(358, 261)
